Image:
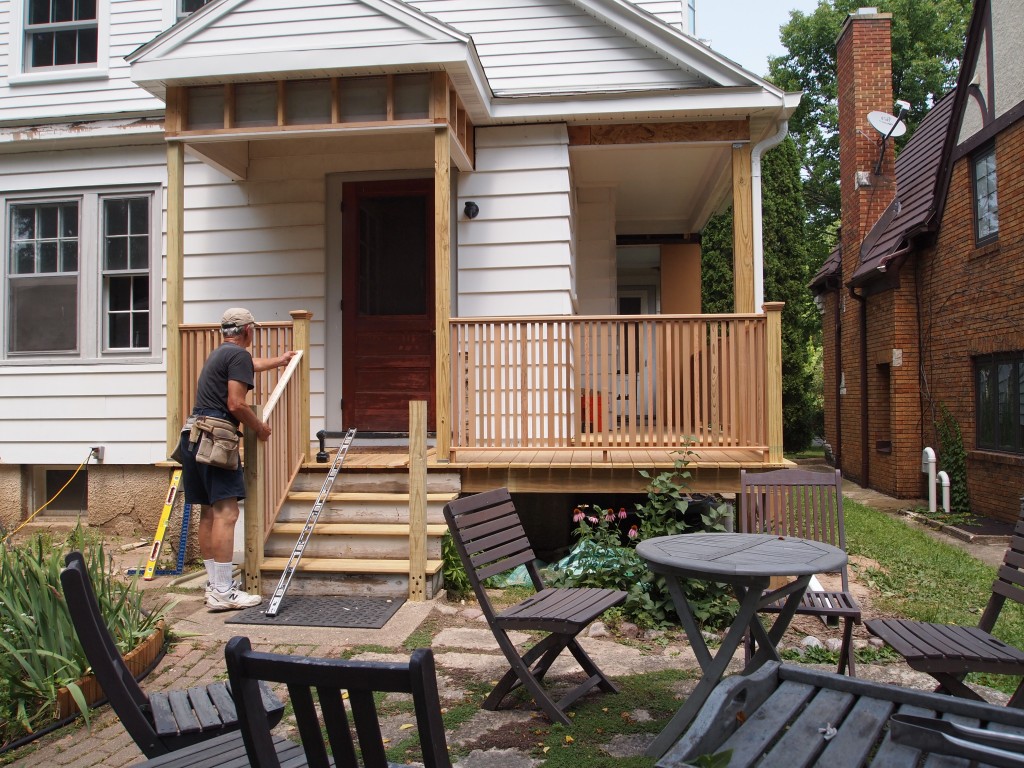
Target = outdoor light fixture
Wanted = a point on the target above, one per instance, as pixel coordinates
(471, 209)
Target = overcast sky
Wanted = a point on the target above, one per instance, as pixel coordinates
(747, 31)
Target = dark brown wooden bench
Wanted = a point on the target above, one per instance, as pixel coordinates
(490, 539)
(949, 652)
(789, 715)
(331, 698)
(809, 505)
(159, 722)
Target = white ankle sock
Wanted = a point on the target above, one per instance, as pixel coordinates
(208, 564)
(222, 576)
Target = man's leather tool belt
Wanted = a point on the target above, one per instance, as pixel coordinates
(218, 442)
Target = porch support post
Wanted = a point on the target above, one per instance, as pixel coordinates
(742, 230)
(255, 507)
(442, 288)
(175, 287)
(300, 341)
(773, 379)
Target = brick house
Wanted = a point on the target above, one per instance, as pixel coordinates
(921, 300)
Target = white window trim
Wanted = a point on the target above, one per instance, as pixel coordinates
(18, 74)
(91, 342)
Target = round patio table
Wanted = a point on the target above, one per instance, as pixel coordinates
(746, 562)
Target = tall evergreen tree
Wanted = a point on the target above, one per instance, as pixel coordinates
(786, 275)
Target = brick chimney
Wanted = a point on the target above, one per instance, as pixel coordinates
(864, 84)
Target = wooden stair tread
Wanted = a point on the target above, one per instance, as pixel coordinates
(358, 529)
(354, 497)
(347, 565)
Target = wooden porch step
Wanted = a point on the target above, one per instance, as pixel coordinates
(356, 498)
(358, 529)
(347, 565)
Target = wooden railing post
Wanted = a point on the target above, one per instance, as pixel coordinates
(300, 337)
(175, 288)
(254, 507)
(773, 379)
(417, 500)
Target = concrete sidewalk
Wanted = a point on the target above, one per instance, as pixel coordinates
(464, 650)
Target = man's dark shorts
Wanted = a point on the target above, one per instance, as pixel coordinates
(207, 485)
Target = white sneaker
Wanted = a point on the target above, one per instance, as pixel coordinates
(233, 599)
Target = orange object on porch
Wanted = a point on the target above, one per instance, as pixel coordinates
(588, 411)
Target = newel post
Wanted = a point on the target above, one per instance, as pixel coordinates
(255, 506)
(773, 379)
(300, 341)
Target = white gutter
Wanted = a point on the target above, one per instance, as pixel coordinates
(755, 191)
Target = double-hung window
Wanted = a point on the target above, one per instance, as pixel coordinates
(986, 204)
(999, 385)
(186, 7)
(80, 276)
(60, 34)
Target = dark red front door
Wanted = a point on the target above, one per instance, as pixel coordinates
(388, 302)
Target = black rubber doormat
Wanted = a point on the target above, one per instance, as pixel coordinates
(323, 611)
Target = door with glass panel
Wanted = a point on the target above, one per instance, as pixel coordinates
(388, 302)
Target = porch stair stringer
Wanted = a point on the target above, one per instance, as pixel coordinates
(360, 544)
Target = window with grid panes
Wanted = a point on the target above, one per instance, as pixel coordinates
(999, 385)
(986, 204)
(60, 33)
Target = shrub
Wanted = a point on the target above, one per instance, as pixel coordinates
(41, 652)
(456, 581)
(605, 554)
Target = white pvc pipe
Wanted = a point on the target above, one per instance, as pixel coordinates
(928, 466)
(944, 482)
(782, 128)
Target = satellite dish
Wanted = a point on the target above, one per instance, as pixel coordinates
(886, 124)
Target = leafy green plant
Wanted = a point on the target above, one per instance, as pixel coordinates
(953, 461)
(605, 554)
(456, 581)
(41, 651)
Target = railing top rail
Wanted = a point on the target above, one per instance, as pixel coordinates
(603, 318)
(208, 326)
(282, 383)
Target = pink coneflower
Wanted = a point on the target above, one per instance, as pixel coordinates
(609, 516)
(622, 513)
(592, 520)
(633, 532)
(577, 515)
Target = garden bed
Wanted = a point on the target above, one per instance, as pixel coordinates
(139, 660)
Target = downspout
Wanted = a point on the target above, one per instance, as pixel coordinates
(755, 192)
(865, 454)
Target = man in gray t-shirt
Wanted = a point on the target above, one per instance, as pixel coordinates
(225, 380)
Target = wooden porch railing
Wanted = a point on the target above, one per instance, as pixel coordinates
(665, 381)
(281, 398)
(271, 467)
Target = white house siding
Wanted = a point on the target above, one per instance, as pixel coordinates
(668, 11)
(25, 99)
(306, 25)
(552, 45)
(52, 413)
(516, 257)
(261, 243)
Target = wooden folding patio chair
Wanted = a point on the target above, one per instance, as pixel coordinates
(949, 652)
(490, 539)
(808, 505)
(160, 721)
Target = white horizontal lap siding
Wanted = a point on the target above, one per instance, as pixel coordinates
(53, 413)
(111, 92)
(309, 25)
(668, 11)
(260, 243)
(543, 45)
(515, 258)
